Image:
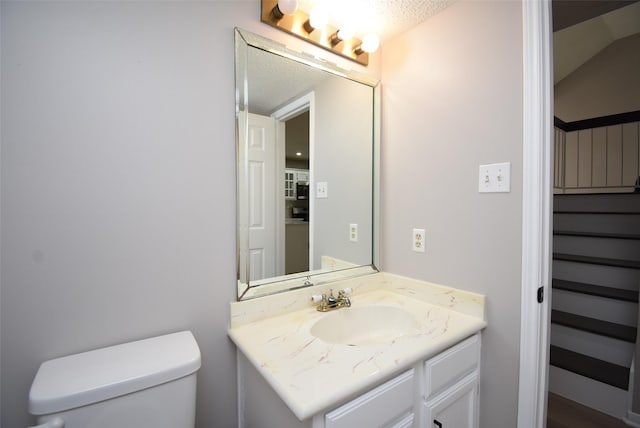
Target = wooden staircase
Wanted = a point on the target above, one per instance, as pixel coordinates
(594, 317)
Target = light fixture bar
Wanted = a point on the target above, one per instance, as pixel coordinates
(323, 37)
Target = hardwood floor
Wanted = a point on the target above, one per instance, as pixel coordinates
(564, 413)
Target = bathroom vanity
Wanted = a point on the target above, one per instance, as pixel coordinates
(405, 354)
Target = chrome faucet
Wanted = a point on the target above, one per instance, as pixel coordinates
(331, 302)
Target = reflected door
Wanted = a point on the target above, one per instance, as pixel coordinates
(262, 205)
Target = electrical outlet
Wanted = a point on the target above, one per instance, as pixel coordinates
(418, 240)
(353, 232)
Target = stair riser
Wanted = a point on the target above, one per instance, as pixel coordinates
(628, 279)
(616, 311)
(609, 202)
(604, 223)
(597, 395)
(601, 347)
(625, 249)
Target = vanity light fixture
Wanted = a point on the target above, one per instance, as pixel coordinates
(316, 29)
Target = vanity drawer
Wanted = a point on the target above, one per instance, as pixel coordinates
(452, 365)
(390, 404)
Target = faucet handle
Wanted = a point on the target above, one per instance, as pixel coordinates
(347, 290)
(315, 298)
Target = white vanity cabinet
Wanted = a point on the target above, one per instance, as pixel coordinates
(441, 392)
(388, 405)
(452, 386)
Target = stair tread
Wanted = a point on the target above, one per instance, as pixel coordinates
(596, 212)
(596, 290)
(597, 234)
(631, 264)
(593, 368)
(610, 203)
(592, 325)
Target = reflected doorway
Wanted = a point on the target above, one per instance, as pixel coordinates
(297, 194)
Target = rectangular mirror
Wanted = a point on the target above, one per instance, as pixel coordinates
(308, 150)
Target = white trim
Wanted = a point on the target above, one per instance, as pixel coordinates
(240, 392)
(377, 120)
(536, 212)
(292, 109)
(281, 201)
(632, 419)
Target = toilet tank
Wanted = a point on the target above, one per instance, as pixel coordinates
(147, 383)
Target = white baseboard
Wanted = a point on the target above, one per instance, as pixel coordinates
(591, 393)
(632, 419)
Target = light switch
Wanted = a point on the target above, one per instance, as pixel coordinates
(322, 190)
(495, 178)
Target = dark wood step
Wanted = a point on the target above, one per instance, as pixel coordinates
(596, 326)
(630, 264)
(614, 203)
(597, 234)
(596, 290)
(597, 212)
(593, 368)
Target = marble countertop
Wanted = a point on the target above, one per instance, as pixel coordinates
(311, 376)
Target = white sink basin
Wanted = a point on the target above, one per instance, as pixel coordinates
(365, 325)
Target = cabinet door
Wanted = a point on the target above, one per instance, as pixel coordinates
(389, 405)
(289, 184)
(457, 407)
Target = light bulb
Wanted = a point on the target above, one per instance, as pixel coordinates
(288, 7)
(370, 43)
(284, 7)
(319, 17)
(347, 32)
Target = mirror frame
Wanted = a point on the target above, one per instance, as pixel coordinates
(243, 40)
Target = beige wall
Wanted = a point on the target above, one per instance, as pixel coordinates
(118, 184)
(343, 159)
(118, 179)
(606, 84)
(452, 100)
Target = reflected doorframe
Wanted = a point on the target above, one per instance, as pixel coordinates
(299, 105)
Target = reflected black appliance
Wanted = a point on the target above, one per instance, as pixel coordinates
(302, 190)
(300, 212)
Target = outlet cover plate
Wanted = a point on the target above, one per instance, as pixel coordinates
(418, 240)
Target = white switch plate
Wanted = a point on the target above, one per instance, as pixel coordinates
(495, 178)
(418, 240)
(322, 190)
(353, 232)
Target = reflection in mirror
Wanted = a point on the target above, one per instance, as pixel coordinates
(306, 177)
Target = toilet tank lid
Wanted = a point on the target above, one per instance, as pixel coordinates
(82, 379)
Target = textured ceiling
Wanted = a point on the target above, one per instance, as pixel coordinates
(274, 80)
(385, 17)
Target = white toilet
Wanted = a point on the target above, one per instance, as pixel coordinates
(149, 383)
